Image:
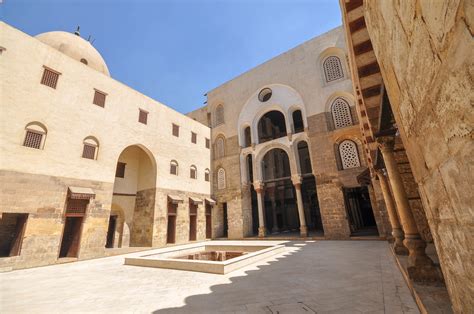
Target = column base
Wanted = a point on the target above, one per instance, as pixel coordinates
(303, 231)
(262, 232)
(398, 246)
(421, 268)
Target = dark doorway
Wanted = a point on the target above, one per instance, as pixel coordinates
(111, 232)
(192, 222)
(71, 237)
(226, 227)
(12, 229)
(359, 210)
(208, 221)
(171, 230)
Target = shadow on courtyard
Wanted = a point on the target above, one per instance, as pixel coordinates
(272, 284)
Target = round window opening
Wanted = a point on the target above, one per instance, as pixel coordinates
(265, 94)
(84, 61)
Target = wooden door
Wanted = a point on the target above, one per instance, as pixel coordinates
(171, 232)
(111, 232)
(208, 227)
(224, 208)
(71, 237)
(192, 227)
(19, 233)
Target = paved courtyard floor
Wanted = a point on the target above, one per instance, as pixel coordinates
(310, 277)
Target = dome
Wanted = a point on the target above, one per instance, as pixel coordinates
(75, 47)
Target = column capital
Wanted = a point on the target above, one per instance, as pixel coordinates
(386, 143)
(258, 186)
(296, 180)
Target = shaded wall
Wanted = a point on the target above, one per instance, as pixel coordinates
(424, 49)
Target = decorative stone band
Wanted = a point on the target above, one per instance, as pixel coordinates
(80, 193)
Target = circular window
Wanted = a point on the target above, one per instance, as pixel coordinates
(265, 94)
(84, 61)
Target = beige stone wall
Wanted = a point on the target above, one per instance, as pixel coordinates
(424, 49)
(36, 181)
(44, 199)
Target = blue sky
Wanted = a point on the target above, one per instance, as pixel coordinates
(176, 51)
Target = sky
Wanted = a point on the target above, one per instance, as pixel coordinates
(176, 51)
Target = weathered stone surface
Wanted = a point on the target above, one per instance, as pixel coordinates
(432, 103)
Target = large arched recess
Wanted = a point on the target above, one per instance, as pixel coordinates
(134, 191)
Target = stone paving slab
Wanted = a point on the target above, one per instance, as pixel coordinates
(321, 276)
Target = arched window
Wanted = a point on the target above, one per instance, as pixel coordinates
(206, 175)
(219, 115)
(247, 137)
(221, 184)
(90, 148)
(35, 135)
(193, 172)
(332, 68)
(298, 124)
(271, 126)
(304, 158)
(220, 147)
(341, 113)
(174, 167)
(349, 154)
(249, 168)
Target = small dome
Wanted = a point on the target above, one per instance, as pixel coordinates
(75, 47)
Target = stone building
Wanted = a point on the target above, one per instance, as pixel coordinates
(287, 148)
(89, 163)
(412, 67)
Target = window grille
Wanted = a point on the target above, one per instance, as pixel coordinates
(220, 148)
(174, 168)
(193, 137)
(193, 173)
(50, 78)
(221, 182)
(33, 139)
(175, 130)
(76, 207)
(99, 98)
(88, 151)
(332, 68)
(120, 170)
(219, 115)
(341, 113)
(349, 154)
(208, 143)
(143, 117)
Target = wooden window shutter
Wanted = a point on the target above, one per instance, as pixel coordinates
(33, 139)
(50, 78)
(99, 98)
(175, 130)
(143, 117)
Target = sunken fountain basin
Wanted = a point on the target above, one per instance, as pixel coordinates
(207, 258)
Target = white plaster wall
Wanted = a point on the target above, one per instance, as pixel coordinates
(70, 116)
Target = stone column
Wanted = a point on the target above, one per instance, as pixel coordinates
(397, 231)
(299, 201)
(420, 267)
(261, 217)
